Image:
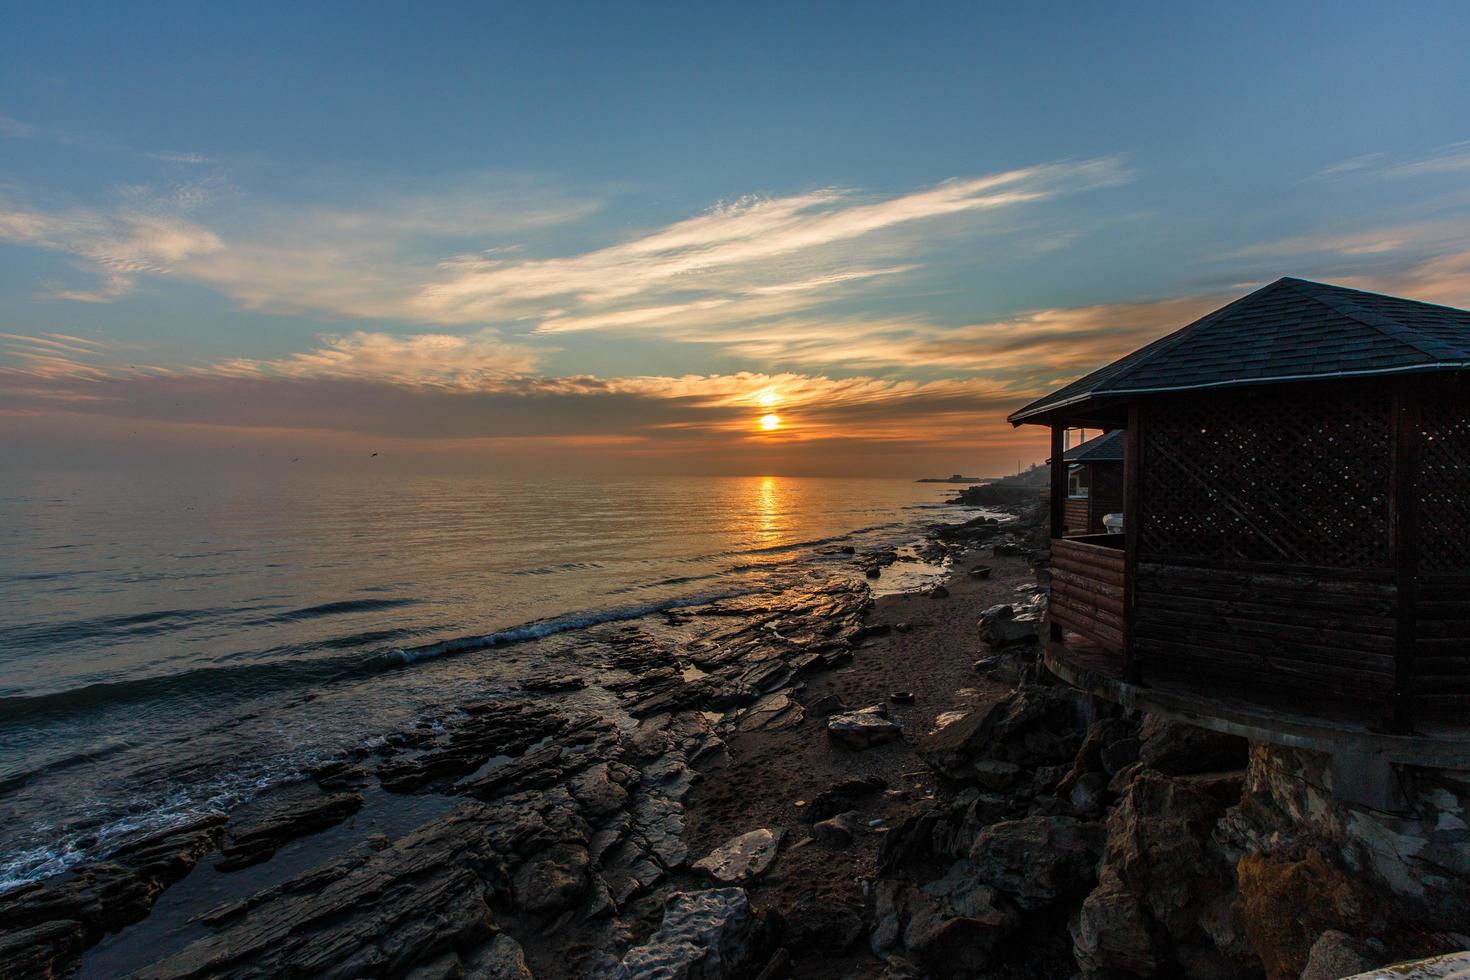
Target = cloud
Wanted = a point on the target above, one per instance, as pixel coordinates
(737, 248)
(474, 362)
(1448, 159)
(116, 245)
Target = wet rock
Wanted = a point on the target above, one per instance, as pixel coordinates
(939, 592)
(863, 729)
(1177, 749)
(41, 950)
(340, 776)
(742, 858)
(258, 838)
(705, 935)
(1038, 861)
(1005, 548)
(47, 924)
(377, 915)
(554, 682)
(489, 729)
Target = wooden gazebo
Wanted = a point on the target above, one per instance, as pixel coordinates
(1296, 503)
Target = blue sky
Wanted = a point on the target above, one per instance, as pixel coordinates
(496, 236)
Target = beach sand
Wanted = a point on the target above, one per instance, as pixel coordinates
(770, 771)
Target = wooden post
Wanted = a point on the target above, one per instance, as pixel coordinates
(1058, 480)
(1403, 544)
(1132, 456)
(1058, 496)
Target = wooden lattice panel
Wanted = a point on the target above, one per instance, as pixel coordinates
(1297, 478)
(1444, 482)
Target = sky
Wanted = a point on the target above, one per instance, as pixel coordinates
(805, 239)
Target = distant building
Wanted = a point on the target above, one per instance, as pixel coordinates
(1094, 483)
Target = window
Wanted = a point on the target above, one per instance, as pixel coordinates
(1077, 481)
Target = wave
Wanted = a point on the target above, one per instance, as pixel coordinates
(548, 627)
(137, 624)
(338, 608)
(249, 680)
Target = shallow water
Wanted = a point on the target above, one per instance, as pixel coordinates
(167, 647)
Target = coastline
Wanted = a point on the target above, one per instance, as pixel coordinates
(153, 898)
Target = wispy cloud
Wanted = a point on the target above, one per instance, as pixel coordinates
(1448, 159)
(118, 245)
(737, 249)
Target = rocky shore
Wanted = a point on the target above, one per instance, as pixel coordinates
(812, 784)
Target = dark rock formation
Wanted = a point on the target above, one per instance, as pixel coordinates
(258, 838)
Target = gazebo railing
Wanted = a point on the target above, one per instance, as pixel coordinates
(1087, 590)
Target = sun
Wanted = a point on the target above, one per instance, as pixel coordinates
(769, 422)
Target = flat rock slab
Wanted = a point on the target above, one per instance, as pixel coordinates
(770, 713)
(742, 858)
(865, 728)
(258, 840)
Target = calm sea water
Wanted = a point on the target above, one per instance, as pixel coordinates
(170, 646)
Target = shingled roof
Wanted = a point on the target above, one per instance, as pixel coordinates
(1106, 448)
(1291, 330)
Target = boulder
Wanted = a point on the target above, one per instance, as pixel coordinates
(257, 839)
(824, 926)
(1177, 749)
(1336, 955)
(1320, 895)
(705, 935)
(1163, 901)
(827, 704)
(1035, 726)
(863, 729)
(771, 713)
(1039, 860)
(939, 592)
(553, 880)
(1450, 966)
(842, 796)
(839, 831)
(1019, 630)
(741, 858)
(951, 925)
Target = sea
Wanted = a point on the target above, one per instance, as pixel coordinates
(174, 646)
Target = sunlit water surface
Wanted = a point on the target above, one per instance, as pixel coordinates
(171, 646)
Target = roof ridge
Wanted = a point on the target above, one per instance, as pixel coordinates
(1169, 341)
(1334, 299)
